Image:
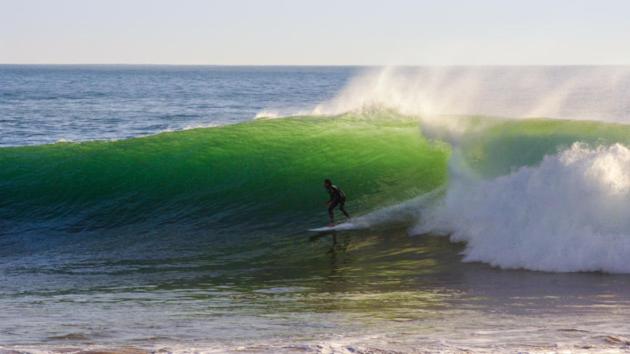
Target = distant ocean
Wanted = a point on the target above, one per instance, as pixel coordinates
(166, 208)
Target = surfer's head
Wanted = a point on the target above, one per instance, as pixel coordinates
(327, 183)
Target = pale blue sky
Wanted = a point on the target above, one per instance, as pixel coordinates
(317, 32)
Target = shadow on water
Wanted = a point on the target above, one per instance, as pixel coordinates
(336, 252)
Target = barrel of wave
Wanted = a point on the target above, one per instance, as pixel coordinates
(265, 173)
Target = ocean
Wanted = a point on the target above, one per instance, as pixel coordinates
(167, 208)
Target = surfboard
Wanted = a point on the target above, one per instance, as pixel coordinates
(341, 227)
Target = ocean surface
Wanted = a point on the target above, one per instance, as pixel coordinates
(167, 208)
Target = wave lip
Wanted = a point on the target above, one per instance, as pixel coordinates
(568, 214)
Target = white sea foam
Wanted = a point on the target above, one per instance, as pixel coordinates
(280, 113)
(267, 114)
(567, 214)
(199, 125)
(64, 141)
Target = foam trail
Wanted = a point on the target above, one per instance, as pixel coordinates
(399, 214)
(568, 214)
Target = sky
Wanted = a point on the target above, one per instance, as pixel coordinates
(316, 32)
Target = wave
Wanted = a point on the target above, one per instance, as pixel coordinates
(264, 174)
(538, 194)
(414, 152)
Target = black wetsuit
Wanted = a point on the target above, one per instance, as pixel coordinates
(337, 197)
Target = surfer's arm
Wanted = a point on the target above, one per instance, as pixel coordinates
(331, 196)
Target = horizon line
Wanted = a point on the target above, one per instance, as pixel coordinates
(308, 65)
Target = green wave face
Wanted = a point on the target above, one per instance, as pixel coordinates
(260, 174)
(265, 174)
(502, 145)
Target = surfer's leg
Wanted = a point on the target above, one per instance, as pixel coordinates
(331, 212)
(342, 207)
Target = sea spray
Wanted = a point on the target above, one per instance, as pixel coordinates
(579, 92)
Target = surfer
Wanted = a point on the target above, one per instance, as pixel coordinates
(337, 198)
